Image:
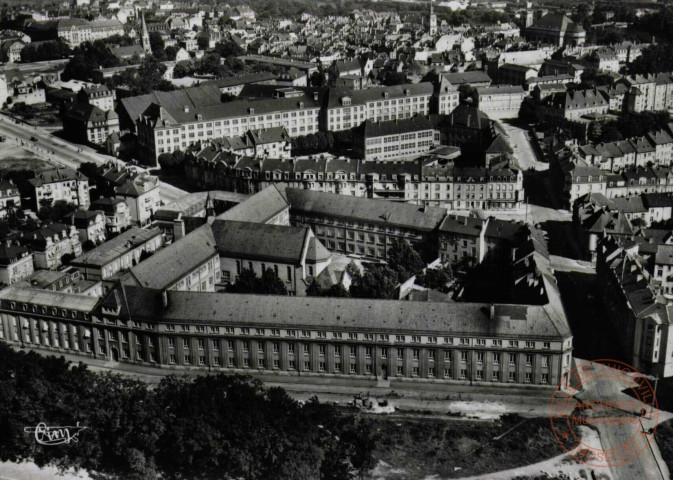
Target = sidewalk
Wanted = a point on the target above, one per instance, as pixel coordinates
(411, 395)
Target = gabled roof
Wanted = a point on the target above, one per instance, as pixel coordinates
(168, 265)
(274, 243)
(373, 210)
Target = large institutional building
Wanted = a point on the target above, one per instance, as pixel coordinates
(175, 120)
(152, 317)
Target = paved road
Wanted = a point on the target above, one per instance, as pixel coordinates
(608, 387)
(65, 152)
(523, 150)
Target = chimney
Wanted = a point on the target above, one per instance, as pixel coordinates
(178, 228)
(315, 96)
(164, 298)
(492, 312)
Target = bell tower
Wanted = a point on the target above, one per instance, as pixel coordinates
(433, 20)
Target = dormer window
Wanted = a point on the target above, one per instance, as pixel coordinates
(199, 117)
(345, 101)
(386, 94)
(251, 111)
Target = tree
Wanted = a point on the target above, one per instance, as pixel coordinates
(172, 163)
(203, 42)
(55, 212)
(270, 284)
(435, 278)
(249, 282)
(337, 290)
(245, 283)
(229, 49)
(183, 69)
(318, 79)
(157, 44)
(404, 259)
(378, 281)
(208, 65)
(595, 131)
(395, 78)
(654, 59)
(42, 51)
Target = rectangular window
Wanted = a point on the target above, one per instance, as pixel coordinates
(545, 360)
(529, 360)
(480, 357)
(512, 359)
(463, 374)
(416, 353)
(400, 353)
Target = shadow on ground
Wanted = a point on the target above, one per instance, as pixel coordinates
(562, 239)
(534, 184)
(593, 334)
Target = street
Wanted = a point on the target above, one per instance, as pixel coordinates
(524, 152)
(608, 387)
(65, 153)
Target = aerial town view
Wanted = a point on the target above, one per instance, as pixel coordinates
(336, 239)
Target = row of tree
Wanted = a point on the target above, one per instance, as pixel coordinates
(203, 427)
(628, 125)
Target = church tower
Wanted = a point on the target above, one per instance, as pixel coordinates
(529, 15)
(145, 37)
(433, 20)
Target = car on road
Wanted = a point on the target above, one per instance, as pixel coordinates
(33, 139)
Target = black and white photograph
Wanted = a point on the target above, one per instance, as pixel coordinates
(336, 240)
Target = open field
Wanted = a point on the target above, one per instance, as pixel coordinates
(13, 158)
(420, 448)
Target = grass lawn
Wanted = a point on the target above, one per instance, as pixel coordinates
(425, 447)
(664, 436)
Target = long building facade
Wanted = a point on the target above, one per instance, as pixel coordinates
(420, 182)
(460, 343)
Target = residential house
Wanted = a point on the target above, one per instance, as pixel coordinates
(142, 196)
(16, 263)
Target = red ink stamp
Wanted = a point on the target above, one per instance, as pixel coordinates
(612, 398)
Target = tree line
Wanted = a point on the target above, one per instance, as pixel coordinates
(215, 426)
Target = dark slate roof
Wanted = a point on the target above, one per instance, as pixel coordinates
(171, 263)
(258, 208)
(55, 175)
(462, 225)
(257, 240)
(116, 247)
(343, 314)
(372, 210)
(475, 76)
(467, 115)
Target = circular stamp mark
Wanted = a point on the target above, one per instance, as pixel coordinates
(622, 422)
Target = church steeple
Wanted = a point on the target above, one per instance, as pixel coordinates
(145, 37)
(433, 20)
